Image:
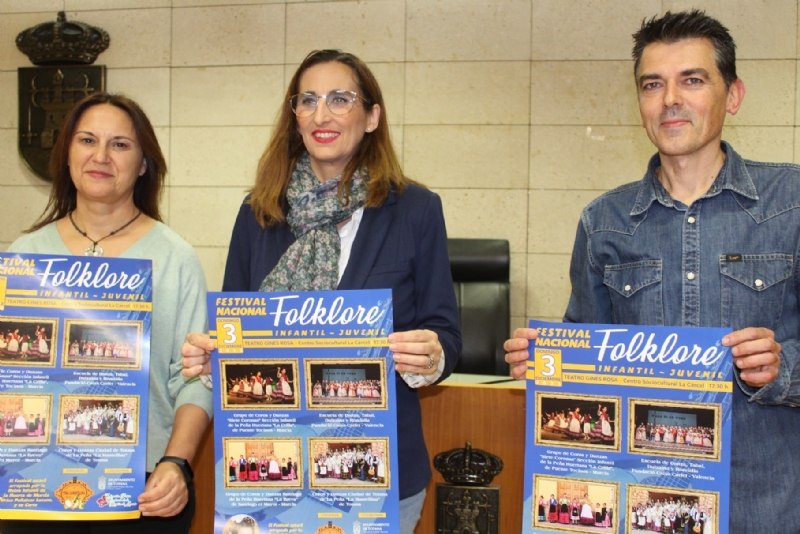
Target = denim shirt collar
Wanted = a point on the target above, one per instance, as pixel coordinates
(733, 176)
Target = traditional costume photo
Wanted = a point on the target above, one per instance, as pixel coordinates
(263, 463)
(582, 421)
(102, 344)
(348, 384)
(671, 510)
(259, 384)
(575, 505)
(98, 419)
(674, 429)
(349, 463)
(25, 418)
(28, 341)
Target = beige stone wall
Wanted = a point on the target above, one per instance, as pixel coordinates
(517, 112)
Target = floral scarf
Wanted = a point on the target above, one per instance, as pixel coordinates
(312, 262)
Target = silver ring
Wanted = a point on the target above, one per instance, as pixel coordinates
(430, 363)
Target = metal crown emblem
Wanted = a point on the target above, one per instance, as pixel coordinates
(469, 466)
(63, 42)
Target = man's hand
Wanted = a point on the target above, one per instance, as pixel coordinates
(756, 354)
(517, 351)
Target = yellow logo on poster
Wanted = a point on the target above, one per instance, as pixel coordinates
(547, 367)
(229, 336)
(74, 494)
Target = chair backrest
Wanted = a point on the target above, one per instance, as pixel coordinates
(480, 269)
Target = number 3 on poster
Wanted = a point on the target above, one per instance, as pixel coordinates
(229, 336)
(547, 367)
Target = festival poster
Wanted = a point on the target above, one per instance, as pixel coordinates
(74, 361)
(624, 424)
(305, 428)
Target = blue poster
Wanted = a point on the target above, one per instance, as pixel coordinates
(74, 368)
(627, 428)
(305, 428)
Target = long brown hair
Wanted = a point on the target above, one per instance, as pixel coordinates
(146, 190)
(375, 152)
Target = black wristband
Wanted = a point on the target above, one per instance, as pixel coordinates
(186, 469)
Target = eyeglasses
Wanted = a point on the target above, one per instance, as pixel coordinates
(339, 101)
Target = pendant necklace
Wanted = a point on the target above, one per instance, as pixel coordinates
(95, 249)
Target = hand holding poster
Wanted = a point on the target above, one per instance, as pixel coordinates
(305, 427)
(627, 428)
(74, 369)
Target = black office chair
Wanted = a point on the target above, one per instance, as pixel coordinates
(480, 269)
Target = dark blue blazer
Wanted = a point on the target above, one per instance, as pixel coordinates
(401, 245)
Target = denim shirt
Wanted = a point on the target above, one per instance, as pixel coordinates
(727, 260)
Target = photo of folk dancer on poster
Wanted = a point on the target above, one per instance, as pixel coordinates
(259, 384)
(348, 463)
(103, 344)
(671, 510)
(25, 418)
(674, 429)
(575, 505)
(28, 341)
(98, 419)
(582, 421)
(263, 463)
(348, 384)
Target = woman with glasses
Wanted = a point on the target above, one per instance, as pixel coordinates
(331, 209)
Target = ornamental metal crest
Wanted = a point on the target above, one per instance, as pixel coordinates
(46, 94)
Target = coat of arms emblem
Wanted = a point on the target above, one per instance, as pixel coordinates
(65, 51)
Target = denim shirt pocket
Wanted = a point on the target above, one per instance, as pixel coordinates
(752, 289)
(636, 292)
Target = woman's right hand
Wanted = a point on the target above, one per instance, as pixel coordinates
(196, 352)
(517, 351)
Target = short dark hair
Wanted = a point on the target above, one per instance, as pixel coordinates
(146, 190)
(695, 24)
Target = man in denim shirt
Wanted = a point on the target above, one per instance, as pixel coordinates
(706, 238)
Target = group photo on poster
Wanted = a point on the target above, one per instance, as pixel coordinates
(28, 341)
(345, 463)
(675, 429)
(349, 383)
(575, 504)
(259, 383)
(25, 418)
(263, 463)
(671, 510)
(102, 344)
(98, 419)
(583, 421)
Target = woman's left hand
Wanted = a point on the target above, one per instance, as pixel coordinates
(415, 351)
(165, 493)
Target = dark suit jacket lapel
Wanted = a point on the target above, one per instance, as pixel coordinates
(369, 239)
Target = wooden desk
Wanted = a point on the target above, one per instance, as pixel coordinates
(492, 418)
